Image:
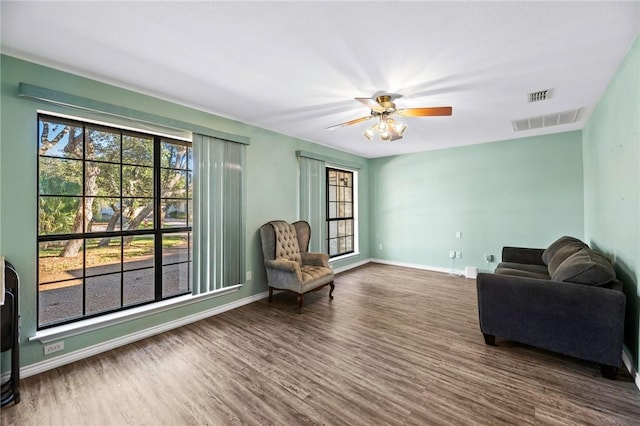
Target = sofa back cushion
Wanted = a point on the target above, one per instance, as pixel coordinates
(585, 266)
(550, 251)
(563, 254)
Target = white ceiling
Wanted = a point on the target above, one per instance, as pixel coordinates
(295, 67)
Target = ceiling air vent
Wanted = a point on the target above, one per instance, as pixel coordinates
(541, 95)
(531, 123)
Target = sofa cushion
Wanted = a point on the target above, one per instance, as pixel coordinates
(562, 254)
(521, 273)
(542, 269)
(557, 245)
(585, 267)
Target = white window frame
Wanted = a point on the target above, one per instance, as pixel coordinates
(356, 233)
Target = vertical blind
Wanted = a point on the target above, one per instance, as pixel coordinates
(219, 216)
(313, 206)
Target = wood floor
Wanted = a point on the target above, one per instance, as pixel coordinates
(395, 346)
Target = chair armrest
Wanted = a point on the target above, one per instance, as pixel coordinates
(285, 265)
(532, 256)
(315, 259)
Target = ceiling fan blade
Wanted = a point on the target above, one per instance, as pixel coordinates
(371, 103)
(425, 112)
(349, 123)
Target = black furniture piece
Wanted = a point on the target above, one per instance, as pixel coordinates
(564, 298)
(9, 333)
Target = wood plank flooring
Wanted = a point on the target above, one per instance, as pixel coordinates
(395, 346)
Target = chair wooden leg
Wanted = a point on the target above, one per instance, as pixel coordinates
(270, 294)
(331, 291)
(300, 303)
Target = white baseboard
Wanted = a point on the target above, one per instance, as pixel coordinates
(351, 266)
(403, 264)
(628, 362)
(417, 266)
(70, 357)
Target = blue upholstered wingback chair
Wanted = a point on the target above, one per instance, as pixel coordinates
(290, 266)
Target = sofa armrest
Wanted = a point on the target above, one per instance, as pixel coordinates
(532, 256)
(578, 320)
(315, 259)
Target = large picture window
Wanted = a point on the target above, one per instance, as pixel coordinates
(114, 219)
(340, 212)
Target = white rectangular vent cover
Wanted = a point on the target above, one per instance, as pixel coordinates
(565, 117)
(540, 95)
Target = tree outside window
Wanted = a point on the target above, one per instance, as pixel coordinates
(114, 219)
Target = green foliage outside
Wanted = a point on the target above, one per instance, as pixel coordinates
(112, 173)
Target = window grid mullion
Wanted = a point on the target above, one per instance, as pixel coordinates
(84, 220)
(84, 236)
(121, 198)
(157, 217)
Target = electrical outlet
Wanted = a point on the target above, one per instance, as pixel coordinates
(452, 254)
(458, 234)
(248, 276)
(379, 246)
(459, 254)
(488, 258)
(53, 347)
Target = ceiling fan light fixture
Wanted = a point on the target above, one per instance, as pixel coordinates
(370, 132)
(395, 137)
(399, 128)
(387, 129)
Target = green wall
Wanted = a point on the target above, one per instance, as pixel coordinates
(612, 185)
(522, 192)
(272, 189)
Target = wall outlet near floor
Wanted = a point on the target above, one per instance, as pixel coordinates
(488, 258)
(379, 246)
(452, 254)
(53, 347)
(459, 254)
(248, 276)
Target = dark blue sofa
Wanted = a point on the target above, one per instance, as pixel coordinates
(564, 298)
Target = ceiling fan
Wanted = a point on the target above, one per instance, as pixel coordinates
(383, 108)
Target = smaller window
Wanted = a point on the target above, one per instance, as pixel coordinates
(340, 212)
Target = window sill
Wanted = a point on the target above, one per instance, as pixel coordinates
(344, 257)
(85, 326)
